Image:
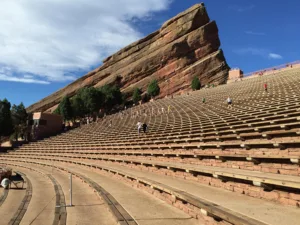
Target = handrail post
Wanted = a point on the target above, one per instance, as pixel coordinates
(71, 189)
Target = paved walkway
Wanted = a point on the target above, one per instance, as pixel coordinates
(1, 194)
(88, 208)
(143, 207)
(266, 212)
(41, 208)
(11, 204)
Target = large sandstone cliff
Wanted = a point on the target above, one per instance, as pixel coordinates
(185, 46)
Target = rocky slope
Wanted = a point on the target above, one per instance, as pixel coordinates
(187, 45)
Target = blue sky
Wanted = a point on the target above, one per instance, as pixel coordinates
(41, 53)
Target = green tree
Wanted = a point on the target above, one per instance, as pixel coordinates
(57, 110)
(65, 108)
(89, 99)
(19, 114)
(19, 119)
(196, 85)
(78, 106)
(6, 125)
(136, 96)
(112, 96)
(153, 88)
(94, 100)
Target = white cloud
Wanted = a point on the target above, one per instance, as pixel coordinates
(4, 77)
(265, 53)
(241, 9)
(275, 56)
(49, 40)
(6, 74)
(255, 33)
(28, 76)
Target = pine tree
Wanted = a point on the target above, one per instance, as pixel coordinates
(196, 85)
(112, 96)
(19, 119)
(6, 125)
(88, 101)
(66, 109)
(153, 88)
(19, 114)
(78, 106)
(57, 110)
(136, 96)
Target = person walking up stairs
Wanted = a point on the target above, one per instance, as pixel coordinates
(229, 102)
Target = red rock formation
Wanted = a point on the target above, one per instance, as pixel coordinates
(185, 46)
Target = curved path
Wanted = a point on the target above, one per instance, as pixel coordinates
(41, 209)
(9, 209)
(87, 207)
(145, 209)
(39, 201)
(265, 212)
(3, 195)
(18, 216)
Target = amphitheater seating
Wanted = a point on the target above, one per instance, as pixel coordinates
(219, 165)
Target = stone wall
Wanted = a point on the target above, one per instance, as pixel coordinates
(187, 45)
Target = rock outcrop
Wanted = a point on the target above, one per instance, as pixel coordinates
(187, 45)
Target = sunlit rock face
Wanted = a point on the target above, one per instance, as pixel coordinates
(187, 45)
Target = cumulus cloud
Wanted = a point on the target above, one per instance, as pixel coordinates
(265, 53)
(4, 77)
(275, 56)
(6, 74)
(51, 40)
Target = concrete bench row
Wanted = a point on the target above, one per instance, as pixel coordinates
(205, 207)
(267, 181)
